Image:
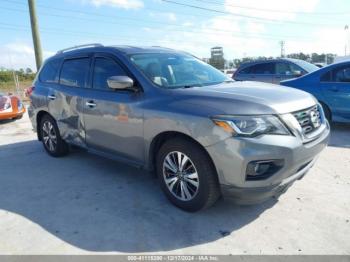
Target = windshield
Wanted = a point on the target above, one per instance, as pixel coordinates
(170, 70)
(307, 66)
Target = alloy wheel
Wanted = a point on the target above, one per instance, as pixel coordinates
(49, 136)
(180, 176)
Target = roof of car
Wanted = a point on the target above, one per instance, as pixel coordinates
(142, 49)
(270, 60)
(125, 49)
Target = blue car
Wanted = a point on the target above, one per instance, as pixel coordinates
(331, 86)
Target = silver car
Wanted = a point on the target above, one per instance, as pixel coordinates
(273, 70)
(202, 133)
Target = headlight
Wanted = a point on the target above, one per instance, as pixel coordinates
(251, 126)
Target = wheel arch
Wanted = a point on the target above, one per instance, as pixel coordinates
(161, 138)
(326, 107)
(39, 116)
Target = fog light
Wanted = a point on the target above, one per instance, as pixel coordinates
(263, 169)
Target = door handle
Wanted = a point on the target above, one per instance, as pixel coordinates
(90, 104)
(51, 97)
(334, 89)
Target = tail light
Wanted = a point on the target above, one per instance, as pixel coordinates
(29, 91)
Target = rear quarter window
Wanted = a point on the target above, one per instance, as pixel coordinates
(49, 73)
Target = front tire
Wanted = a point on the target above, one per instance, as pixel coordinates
(51, 138)
(187, 175)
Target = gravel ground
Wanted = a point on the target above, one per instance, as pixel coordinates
(84, 204)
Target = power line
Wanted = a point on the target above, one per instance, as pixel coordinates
(59, 31)
(233, 16)
(206, 31)
(74, 33)
(244, 16)
(274, 10)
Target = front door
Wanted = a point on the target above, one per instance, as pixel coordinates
(287, 70)
(336, 90)
(113, 118)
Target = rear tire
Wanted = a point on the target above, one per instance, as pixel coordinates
(51, 138)
(189, 183)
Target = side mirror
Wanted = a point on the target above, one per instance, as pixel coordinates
(120, 82)
(297, 73)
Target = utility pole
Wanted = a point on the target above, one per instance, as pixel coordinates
(35, 34)
(282, 44)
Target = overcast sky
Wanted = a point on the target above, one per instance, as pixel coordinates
(242, 27)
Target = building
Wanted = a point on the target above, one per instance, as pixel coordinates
(217, 52)
(217, 57)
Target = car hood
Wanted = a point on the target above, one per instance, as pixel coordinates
(246, 97)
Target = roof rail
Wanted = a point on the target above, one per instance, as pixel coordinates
(79, 47)
(159, 46)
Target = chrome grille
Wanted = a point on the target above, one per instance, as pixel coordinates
(309, 119)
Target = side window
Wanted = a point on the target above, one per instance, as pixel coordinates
(103, 69)
(288, 69)
(263, 69)
(342, 74)
(246, 70)
(326, 77)
(296, 69)
(49, 73)
(283, 69)
(74, 72)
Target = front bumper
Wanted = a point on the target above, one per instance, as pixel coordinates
(12, 114)
(232, 156)
(257, 195)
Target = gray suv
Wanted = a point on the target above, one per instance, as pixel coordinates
(273, 70)
(204, 134)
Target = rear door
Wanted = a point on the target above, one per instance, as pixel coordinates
(242, 74)
(113, 118)
(65, 98)
(335, 86)
(263, 72)
(46, 85)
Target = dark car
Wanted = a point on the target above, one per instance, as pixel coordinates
(331, 86)
(165, 110)
(273, 70)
